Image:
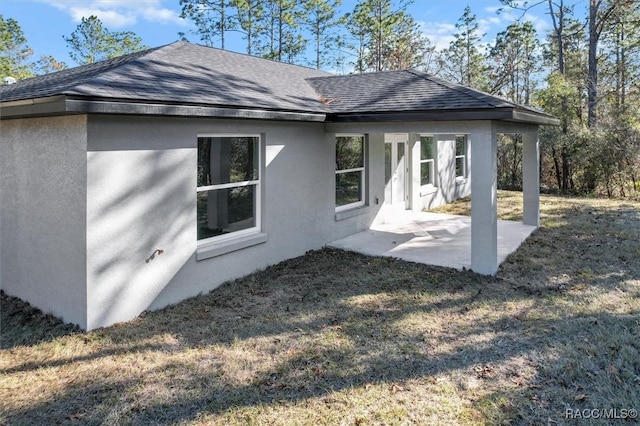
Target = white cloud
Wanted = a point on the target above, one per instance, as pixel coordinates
(508, 15)
(439, 33)
(490, 23)
(162, 15)
(110, 18)
(118, 14)
(541, 25)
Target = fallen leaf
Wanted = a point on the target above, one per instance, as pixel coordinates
(396, 388)
(292, 351)
(483, 371)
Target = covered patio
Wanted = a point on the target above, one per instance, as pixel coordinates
(479, 242)
(439, 143)
(431, 238)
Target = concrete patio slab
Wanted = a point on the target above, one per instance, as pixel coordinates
(431, 238)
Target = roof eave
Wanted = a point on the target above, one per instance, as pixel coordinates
(64, 105)
(428, 115)
(523, 116)
(37, 107)
(501, 114)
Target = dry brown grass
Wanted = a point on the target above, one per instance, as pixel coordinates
(336, 338)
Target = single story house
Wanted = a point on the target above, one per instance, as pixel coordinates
(137, 182)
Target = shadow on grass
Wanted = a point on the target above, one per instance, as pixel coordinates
(332, 321)
(22, 324)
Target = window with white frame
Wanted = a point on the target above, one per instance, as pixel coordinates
(350, 171)
(461, 156)
(228, 193)
(427, 160)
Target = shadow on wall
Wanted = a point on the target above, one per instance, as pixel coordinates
(140, 232)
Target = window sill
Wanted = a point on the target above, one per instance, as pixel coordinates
(461, 180)
(218, 249)
(356, 211)
(428, 190)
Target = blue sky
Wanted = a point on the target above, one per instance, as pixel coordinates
(157, 22)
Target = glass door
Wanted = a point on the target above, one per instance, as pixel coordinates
(395, 173)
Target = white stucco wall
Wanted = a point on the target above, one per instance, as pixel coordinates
(447, 188)
(141, 196)
(79, 243)
(42, 213)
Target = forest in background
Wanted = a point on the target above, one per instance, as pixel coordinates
(585, 70)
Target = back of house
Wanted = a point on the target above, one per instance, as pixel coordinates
(134, 183)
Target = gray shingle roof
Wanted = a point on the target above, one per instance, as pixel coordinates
(405, 90)
(182, 73)
(60, 82)
(191, 75)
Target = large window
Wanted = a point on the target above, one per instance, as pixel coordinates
(228, 186)
(350, 171)
(461, 156)
(427, 160)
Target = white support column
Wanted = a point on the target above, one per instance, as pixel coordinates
(484, 201)
(414, 173)
(531, 178)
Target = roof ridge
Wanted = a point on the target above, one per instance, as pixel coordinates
(474, 93)
(233, 52)
(120, 61)
(331, 75)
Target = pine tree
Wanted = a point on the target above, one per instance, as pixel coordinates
(407, 47)
(212, 18)
(48, 64)
(386, 37)
(14, 51)
(514, 61)
(284, 41)
(463, 62)
(91, 42)
(250, 16)
(323, 22)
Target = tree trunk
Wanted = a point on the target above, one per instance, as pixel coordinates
(317, 46)
(558, 28)
(556, 167)
(223, 23)
(280, 27)
(623, 69)
(592, 81)
(565, 170)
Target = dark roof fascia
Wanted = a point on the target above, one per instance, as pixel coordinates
(528, 116)
(64, 105)
(435, 115)
(501, 114)
(180, 110)
(38, 107)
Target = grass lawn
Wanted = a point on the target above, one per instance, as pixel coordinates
(336, 338)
